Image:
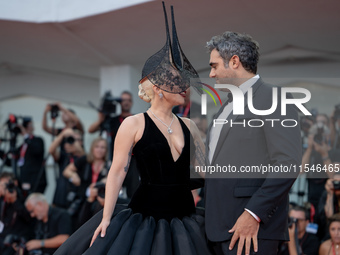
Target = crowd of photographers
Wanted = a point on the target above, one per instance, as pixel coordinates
(28, 223)
(314, 226)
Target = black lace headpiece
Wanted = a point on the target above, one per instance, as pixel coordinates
(169, 69)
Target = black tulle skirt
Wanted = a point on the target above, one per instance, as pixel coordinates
(131, 233)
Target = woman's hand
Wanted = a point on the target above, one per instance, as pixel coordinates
(100, 229)
(329, 186)
(76, 179)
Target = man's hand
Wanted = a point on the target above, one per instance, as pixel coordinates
(11, 197)
(329, 186)
(2, 189)
(93, 193)
(67, 132)
(311, 141)
(101, 200)
(291, 231)
(48, 108)
(245, 230)
(76, 179)
(101, 117)
(321, 148)
(33, 244)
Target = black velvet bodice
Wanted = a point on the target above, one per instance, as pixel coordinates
(164, 191)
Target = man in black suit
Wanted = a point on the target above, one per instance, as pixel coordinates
(246, 215)
(30, 160)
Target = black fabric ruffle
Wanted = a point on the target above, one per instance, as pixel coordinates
(130, 233)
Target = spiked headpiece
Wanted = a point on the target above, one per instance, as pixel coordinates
(169, 69)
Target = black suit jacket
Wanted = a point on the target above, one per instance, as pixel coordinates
(34, 157)
(226, 198)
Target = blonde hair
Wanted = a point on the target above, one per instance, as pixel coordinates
(90, 157)
(145, 92)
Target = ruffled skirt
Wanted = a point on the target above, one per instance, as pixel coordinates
(130, 233)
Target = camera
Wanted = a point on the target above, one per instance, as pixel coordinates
(318, 137)
(74, 206)
(336, 185)
(54, 111)
(108, 103)
(10, 186)
(21, 244)
(13, 123)
(305, 122)
(11, 239)
(101, 189)
(292, 221)
(70, 139)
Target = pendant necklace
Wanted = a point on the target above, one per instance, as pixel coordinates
(169, 127)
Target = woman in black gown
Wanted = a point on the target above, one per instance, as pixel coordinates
(161, 217)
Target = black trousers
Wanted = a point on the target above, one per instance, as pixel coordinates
(265, 247)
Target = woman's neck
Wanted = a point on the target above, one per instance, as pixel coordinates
(98, 161)
(162, 111)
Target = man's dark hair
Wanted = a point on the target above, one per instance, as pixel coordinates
(126, 92)
(242, 45)
(324, 115)
(301, 209)
(7, 175)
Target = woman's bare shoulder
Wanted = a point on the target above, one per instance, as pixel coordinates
(324, 247)
(133, 120)
(187, 121)
(132, 126)
(191, 125)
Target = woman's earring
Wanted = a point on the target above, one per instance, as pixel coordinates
(160, 95)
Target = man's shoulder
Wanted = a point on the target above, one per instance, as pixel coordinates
(37, 139)
(56, 212)
(115, 118)
(264, 85)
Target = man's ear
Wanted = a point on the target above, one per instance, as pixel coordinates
(234, 62)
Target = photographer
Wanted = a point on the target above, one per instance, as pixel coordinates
(53, 225)
(329, 204)
(14, 218)
(72, 149)
(300, 242)
(88, 168)
(68, 116)
(94, 202)
(85, 170)
(111, 124)
(318, 135)
(114, 122)
(335, 127)
(29, 157)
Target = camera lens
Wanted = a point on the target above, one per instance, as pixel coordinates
(70, 140)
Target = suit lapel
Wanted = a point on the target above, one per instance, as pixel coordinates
(225, 130)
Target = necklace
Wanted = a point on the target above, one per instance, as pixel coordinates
(335, 250)
(169, 127)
